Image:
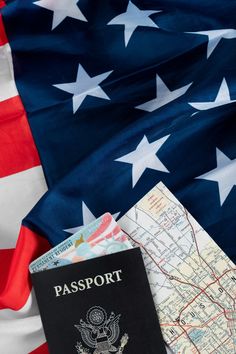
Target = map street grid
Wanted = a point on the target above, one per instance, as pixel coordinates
(193, 282)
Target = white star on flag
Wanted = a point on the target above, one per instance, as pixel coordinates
(222, 98)
(224, 174)
(61, 9)
(164, 96)
(133, 18)
(144, 156)
(88, 217)
(215, 36)
(84, 86)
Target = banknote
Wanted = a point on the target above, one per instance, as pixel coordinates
(102, 236)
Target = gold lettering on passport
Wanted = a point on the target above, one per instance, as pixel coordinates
(88, 283)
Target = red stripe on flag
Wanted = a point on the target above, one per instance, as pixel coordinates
(5, 262)
(3, 36)
(15, 284)
(43, 349)
(17, 149)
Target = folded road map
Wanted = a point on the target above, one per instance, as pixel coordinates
(193, 282)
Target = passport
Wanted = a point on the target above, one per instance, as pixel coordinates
(99, 306)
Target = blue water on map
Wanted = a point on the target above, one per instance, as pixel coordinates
(196, 335)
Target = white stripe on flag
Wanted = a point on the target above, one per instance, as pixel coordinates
(21, 331)
(7, 82)
(18, 194)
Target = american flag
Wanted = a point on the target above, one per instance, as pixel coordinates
(101, 100)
